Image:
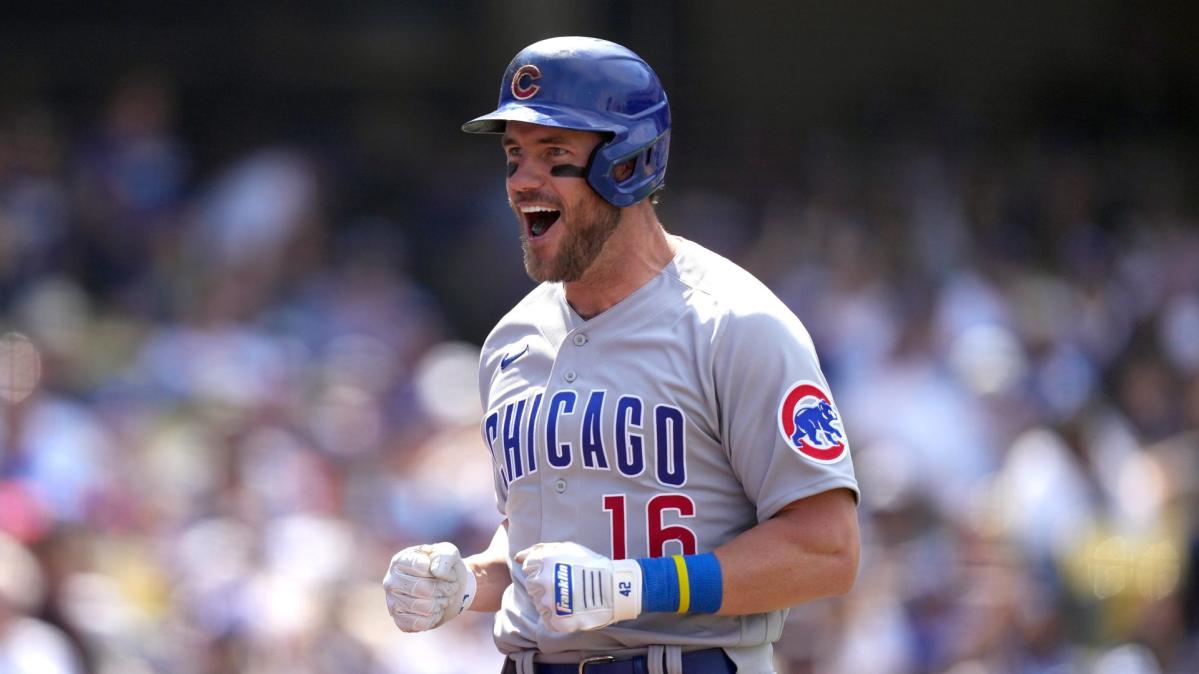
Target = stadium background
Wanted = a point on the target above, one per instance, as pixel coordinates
(246, 259)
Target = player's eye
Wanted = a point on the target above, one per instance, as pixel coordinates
(512, 151)
(557, 152)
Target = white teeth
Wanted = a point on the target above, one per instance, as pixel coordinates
(537, 209)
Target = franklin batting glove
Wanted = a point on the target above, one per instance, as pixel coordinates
(576, 589)
(427, 586)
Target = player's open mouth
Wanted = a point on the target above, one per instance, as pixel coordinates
(538, 219)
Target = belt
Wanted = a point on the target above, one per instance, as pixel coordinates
(707, 661)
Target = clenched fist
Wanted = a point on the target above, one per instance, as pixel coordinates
(427, 586)
(577, 589)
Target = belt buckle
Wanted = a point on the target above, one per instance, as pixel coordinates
(594, 660)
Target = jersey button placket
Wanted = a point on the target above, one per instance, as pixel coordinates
(570, 376)
(579, 339)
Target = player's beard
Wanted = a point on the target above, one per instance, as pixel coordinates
(592, 223)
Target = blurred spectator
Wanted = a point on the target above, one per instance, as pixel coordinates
(128, 181)
(28, 645)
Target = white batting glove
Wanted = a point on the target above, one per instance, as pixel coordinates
(576, 589)
(427, 586)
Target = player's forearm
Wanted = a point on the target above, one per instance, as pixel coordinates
(491, 572)
(807, 551)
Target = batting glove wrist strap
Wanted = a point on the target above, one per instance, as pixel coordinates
(470, 588)
(627, 587)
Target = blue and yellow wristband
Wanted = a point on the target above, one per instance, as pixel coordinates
(681, 584)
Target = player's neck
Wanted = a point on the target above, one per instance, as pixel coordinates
(634, 254)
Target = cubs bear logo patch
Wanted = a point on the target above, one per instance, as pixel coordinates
(810, 424)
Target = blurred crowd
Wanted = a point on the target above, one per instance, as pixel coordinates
(223, 407)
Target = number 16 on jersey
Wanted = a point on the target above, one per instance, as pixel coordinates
(658, 534)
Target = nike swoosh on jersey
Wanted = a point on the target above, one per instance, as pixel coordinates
(508, 360)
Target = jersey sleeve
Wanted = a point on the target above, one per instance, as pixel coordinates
(781, 428)
(501, 491)
(490, 426)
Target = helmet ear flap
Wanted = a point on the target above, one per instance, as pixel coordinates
(624, 178)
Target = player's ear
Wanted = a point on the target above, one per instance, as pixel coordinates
(624, 170)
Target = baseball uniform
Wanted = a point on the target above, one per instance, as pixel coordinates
(687, 413)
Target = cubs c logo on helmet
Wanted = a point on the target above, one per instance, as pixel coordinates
(520, 89)
(809, 422)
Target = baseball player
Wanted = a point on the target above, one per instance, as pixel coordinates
(671, 467)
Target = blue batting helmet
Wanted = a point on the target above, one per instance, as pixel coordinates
(588, 84)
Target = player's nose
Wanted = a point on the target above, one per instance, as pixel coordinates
(523, 176)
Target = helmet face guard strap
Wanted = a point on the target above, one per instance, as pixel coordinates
(587, 84)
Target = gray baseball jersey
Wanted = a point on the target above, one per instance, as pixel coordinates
(684, 415)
